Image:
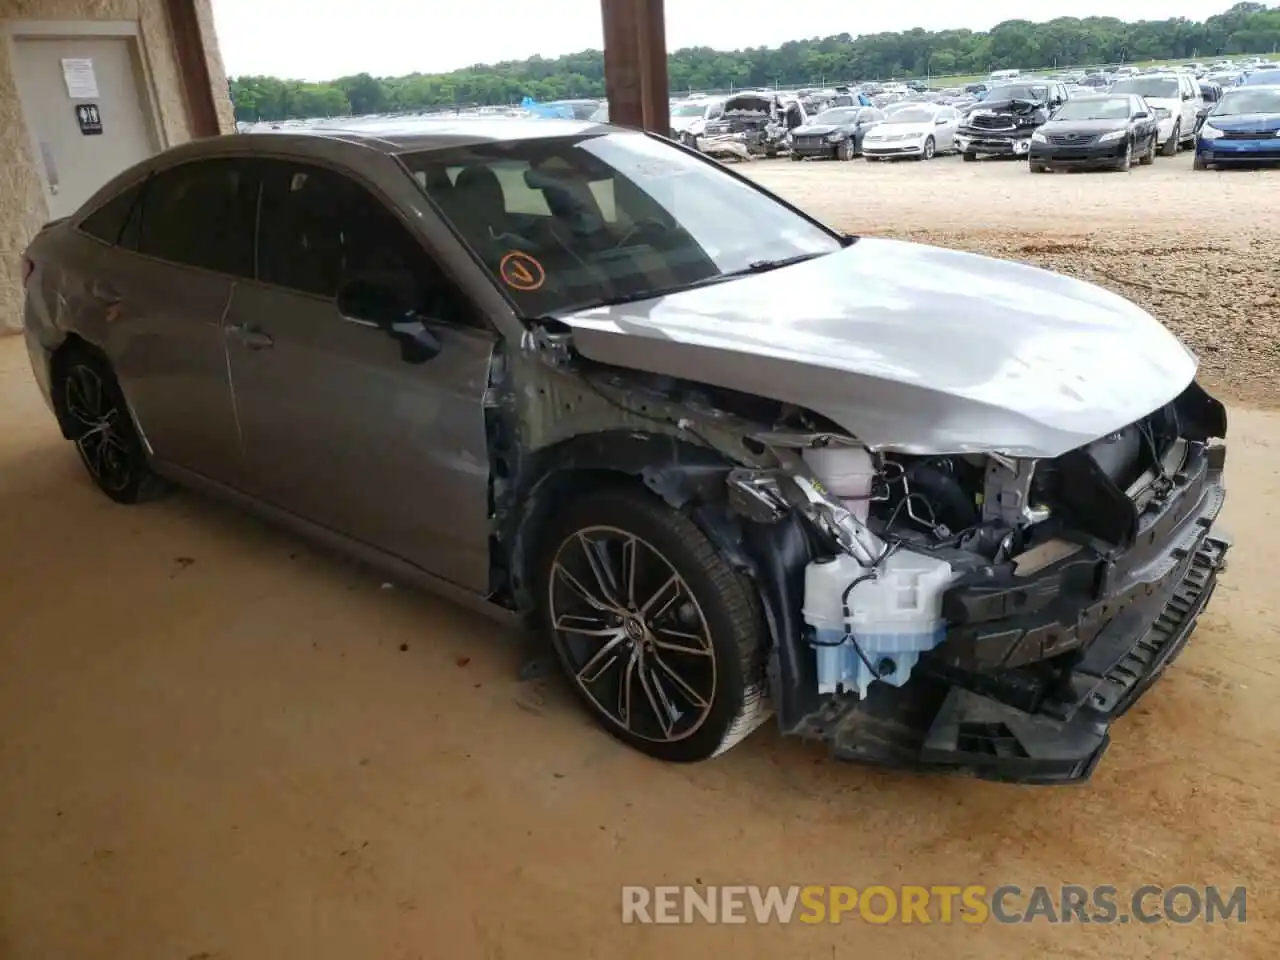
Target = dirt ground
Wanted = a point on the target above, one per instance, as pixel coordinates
(218, 743)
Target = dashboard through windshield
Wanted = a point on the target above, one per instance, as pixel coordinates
(567, 223)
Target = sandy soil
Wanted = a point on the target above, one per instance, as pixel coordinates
(217, 742)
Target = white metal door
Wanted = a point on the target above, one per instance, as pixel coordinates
(86, 112)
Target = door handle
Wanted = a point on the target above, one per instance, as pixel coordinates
(252, 337)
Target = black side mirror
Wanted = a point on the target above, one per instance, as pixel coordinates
(390, 306)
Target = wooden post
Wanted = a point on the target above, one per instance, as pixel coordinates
(635, 64)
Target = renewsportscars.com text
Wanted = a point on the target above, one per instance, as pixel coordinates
(973, 904)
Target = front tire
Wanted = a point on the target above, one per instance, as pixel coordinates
(1126, 161)
(1199, 164)
(661, 639)
(929, 149)
(844, 151)
(969, 157)
(93, 407)
(1149, 155)
(1170, 148)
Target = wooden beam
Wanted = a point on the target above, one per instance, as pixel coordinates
(193, 67)
(635, 64)
(651, 34)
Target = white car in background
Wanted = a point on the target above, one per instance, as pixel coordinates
(689, 118)
(1176, 99)
(920, 131)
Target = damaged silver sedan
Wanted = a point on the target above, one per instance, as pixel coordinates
(937, 510)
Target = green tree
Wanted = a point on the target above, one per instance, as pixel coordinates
(1065, 41)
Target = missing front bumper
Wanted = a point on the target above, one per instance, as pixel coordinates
(956, 731)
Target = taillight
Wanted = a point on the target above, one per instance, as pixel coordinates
(28, 268)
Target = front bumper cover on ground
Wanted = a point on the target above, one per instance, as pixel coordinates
(985, 143)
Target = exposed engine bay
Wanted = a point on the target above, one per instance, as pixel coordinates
(999, 579)
(752, 125)
(971, 612)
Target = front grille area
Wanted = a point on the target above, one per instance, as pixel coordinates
(1071, 139)
(808, 141)
(996, 122)
(1249, 135)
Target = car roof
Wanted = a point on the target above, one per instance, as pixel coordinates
(410, 134)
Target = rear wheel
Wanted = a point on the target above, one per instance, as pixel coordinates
(93, 406)
(1170, 148)
(661, 639)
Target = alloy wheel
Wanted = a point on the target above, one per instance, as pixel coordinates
(632, 633)
(97, 420)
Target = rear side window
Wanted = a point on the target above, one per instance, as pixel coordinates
(202, 214)
(107, 223)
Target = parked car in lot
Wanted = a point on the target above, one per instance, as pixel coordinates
(1243, 128)
(835, 134)
(1176, 100)
(1101, 131)
(689, 118)
(940, 510)
(920, 133)
(1261, 78)
(1001, 124)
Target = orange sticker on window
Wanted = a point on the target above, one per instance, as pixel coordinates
(519, 271)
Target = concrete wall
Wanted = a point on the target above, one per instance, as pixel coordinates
(22, 205)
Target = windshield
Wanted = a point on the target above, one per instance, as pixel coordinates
(689, 110)
(1019, 91)
(836, 117)
(1116, 108)
(1159, 88)
(1235, 102)
(567, 223)
(912, 115)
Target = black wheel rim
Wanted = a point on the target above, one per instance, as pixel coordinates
(96, 421)
(632, 633)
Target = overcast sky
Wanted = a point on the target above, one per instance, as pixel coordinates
(318, 40)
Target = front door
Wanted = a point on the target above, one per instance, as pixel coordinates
(340, 423)
(85, 113)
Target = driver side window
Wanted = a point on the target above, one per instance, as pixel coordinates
(320, 230)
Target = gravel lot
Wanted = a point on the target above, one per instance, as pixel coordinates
(1201, 251)
(217, 743)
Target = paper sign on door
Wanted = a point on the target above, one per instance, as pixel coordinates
(82, 82)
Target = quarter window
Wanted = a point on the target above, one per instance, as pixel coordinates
(107, 223)
(201, 214)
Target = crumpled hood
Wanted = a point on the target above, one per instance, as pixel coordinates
(912, 348)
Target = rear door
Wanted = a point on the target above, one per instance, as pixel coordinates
(1191, 105)
(339, 426)
(186, 239)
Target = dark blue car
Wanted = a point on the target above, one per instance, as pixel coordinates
(1243, 128)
